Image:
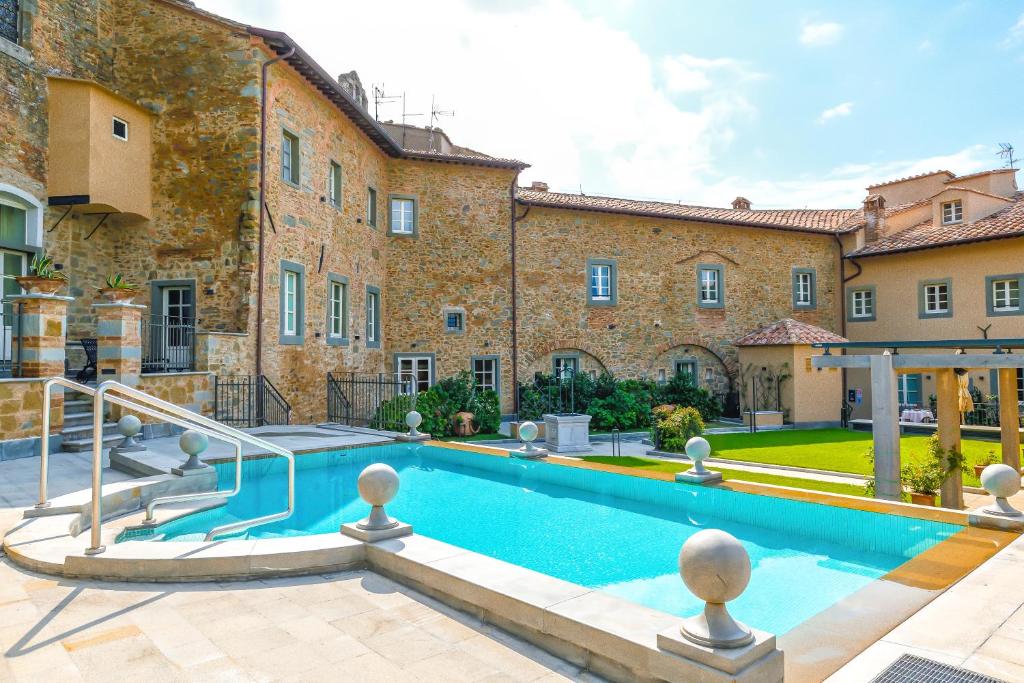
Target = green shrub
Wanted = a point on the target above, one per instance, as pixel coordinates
(682, 391)
(390, 415)
(487, 411)
(674, 428)
(622, 409)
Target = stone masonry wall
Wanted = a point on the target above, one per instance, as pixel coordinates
(309, 231)
(459, 259)
(192, 390)
(657, 319)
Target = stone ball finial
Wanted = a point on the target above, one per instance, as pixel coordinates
(528, 432)
(129, 426)
(377, 485)
(697, 449)
(413, 420)
(193, 443)
(716, 568)
(1001, 481)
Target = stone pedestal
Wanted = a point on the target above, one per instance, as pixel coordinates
(758, 661)
(118, 344)
(411, 438)
(567, 433)
(373, 535)
(691, 477)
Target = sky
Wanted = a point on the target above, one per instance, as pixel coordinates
(790, 104)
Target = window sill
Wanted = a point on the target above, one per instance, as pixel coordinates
(708, 306)
(373, 344)
(392, 233)
(291, 340)
(602, 303)
(938, 314)
(337, 341)
(15, 51)
(995, 312)
(294, 186)
(455, 332)
(854, 319)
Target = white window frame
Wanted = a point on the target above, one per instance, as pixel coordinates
(372, 306)
(401, 227)
(491, 363)
(932, 297)
(600, 282)
(1007, 294)
(334, 184)
(116, 120)
(291, 303)
(371, 206)
(413, 372)
(460, 321)
(710, 285)
(863, 301)
(336, 303)
(952, 212)
(804, 289)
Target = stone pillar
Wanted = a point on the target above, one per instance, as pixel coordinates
(947, 393)
(1009, 417)
(118, 344)
(885, 428)
(42, 328)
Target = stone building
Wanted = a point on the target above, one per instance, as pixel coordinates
(244, 189)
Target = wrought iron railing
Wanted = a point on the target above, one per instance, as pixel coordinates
(377, 401)
(987, 415)
(249, 401)
(168, 344)
(549, 394)
(10, 340)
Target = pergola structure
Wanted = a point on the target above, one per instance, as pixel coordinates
(944, 360)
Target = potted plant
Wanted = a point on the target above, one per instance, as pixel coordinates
(924, 481)
(989, 458)
(118, 289)
(43, 278)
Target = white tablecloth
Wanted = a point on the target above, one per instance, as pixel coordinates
(917, 416)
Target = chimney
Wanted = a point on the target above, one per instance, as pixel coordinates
(741, 204)
(539, 186)
(874, 217)
(354, 87)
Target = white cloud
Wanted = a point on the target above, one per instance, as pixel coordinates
(838, 111)
(1015, 36)
(821, 33)
(689, 73)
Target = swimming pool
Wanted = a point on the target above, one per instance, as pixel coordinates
(610, 532)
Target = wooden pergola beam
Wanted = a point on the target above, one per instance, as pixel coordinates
(927, 361)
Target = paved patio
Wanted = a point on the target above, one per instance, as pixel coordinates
(354, 626)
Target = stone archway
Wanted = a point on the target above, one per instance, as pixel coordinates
(714, 372)
(541, 359)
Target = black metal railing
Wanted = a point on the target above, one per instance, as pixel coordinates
(249, 401)
(549, 394)
(168, 344)
(377, 401)
(987, 415)
(10, 340)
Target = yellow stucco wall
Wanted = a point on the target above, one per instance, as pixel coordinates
(809, 395)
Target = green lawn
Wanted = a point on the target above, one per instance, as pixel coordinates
(483, 436)
(838, 450)
(727, 474)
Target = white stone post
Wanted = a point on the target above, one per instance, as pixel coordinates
(378, 485)
(527, 433)
(885, 428)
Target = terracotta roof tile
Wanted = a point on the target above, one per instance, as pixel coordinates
(981, 173)
(788, 331)
(826, 221)
(1005, 223)
(911, 177)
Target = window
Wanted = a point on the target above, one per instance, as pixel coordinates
(454, 321)
(688, 368)
(337, 310)
(1002, 295)
(485, 373)
(9, 20)
(952, 212)
(804, 288)
(403, 215)
(334, 185)
(602, 288)
(564, 367)
(371, 207)
(292, 303)
(417, 370)
(908, 388)
(372, 317)
(935, 299)
(290, 157)
(710, 286)
(12, 225)
(861, 304)
(120, 128)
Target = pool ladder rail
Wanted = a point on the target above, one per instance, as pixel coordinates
(138, 401)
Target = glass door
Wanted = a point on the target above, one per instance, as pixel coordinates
(12, 264)
(416, 369)
(177, 328)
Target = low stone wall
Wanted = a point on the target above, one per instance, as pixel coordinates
(225, 353)
(191, 390)
(21, 402)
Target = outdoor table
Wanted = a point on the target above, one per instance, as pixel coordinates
(911, 415)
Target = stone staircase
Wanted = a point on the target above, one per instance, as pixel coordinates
(77, 430)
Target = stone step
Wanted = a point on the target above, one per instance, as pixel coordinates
(85, 430)
(78, 445)
(77, 418)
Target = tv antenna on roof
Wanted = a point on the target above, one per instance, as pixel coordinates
(435, 113)
(378, 97)
(1006, 152)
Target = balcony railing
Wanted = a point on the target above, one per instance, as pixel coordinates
(168, 344)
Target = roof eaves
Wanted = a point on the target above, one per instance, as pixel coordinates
(933, 245)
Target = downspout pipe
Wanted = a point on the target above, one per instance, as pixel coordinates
(263, 203)
(843, 279)
(515, 294)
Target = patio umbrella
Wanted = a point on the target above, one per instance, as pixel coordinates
(966, 402)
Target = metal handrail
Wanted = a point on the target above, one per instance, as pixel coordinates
(161, 410)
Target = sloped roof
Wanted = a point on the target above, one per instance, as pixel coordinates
(1004, 223)
(822, 221)
(788, 331)
(950, 174)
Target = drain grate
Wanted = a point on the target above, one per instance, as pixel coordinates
(913, 669)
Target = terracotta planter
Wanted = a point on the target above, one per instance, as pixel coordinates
(117, 296)
(978, 469)
(922, 498)
(40, 285)
(463, 424)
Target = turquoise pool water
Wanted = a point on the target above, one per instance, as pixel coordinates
(610, 532)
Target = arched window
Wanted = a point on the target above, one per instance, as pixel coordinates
(21, 219)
